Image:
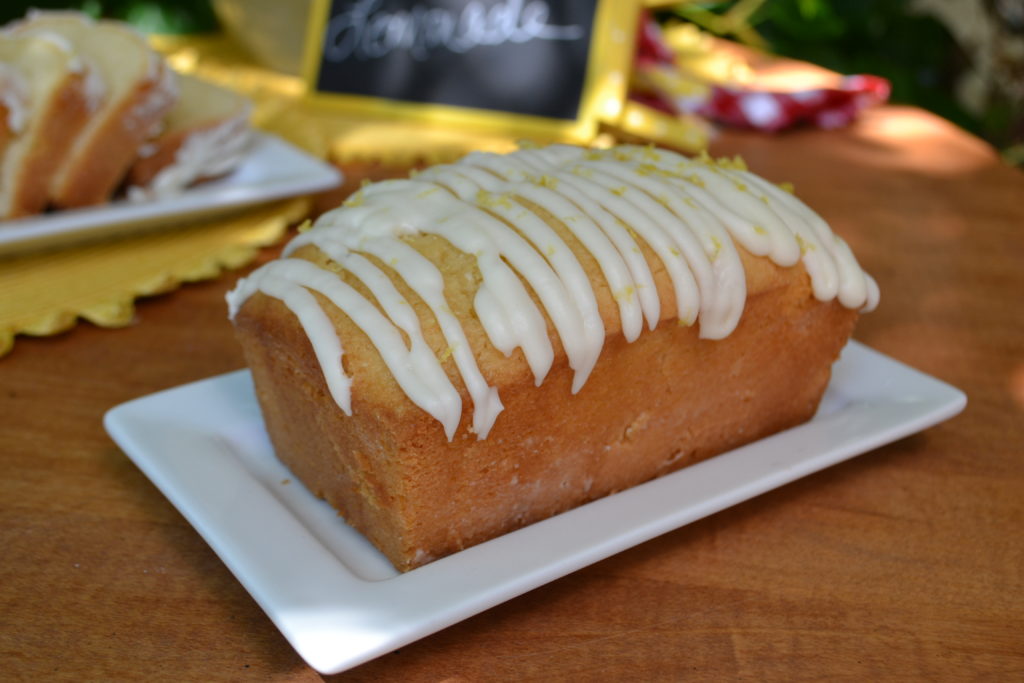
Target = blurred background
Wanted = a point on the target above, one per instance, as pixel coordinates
(962, 59)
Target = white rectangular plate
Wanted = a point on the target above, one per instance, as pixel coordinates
(272, 169)
(340, 603)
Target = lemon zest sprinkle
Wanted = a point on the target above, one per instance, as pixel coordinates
(717, 247)
(356, 199)
(735, 164)
(447, 354)
(582, 171)
(625, 294)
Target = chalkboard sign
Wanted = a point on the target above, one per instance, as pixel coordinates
(547, 67)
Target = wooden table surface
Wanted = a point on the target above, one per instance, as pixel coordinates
(904, 563)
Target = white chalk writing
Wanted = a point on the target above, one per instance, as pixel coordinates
(365, 31)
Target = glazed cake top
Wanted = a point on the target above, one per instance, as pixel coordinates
(509, 213)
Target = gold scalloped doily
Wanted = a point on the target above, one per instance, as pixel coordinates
(48, 292)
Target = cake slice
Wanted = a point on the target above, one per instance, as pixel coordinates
(13, 102)
(139, 90)
(44, 104)
(204, 136)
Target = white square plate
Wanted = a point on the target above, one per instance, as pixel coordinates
(272, 169)
(340, 603)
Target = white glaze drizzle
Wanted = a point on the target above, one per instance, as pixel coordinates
(293, 279)
(574, 308)
(413, 267)
(206, 153)
(626, 204)
(94, 86)
(583, 228)
(687, 212)
(15, 97)
(707, 249)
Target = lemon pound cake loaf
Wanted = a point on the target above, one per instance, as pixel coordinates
(492, 342)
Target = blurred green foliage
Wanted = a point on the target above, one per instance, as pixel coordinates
(915, 51)
(151, 16)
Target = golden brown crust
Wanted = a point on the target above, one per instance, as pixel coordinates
(650, 407)
(59, 124)
(100, 166)
(5, 130)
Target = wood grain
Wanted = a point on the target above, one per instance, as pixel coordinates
(905, 563)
